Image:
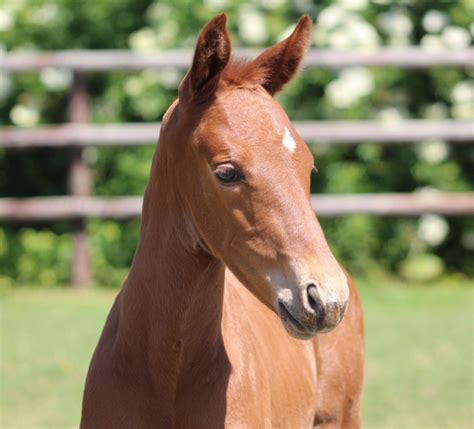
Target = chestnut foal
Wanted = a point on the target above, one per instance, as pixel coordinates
(232, 272)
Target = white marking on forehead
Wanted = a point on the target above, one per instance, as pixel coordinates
(288, 141)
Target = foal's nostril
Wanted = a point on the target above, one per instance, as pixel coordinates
(315, 301)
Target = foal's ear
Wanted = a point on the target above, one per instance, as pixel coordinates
(211, 55)
(279, 64)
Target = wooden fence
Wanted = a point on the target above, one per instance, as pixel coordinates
(77, 134)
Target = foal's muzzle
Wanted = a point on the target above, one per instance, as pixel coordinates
(311, 313)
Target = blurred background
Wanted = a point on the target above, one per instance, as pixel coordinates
(386, 102)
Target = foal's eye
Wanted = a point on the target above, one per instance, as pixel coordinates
(227, 174)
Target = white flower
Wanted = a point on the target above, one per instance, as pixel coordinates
(463, 111)
(395, 23)
(362, 34)
(56, 79)
(399, 40)
(24, 116)
(358, 79)
(436, 111)
(343, 29)
(167, 33)
(217, 5)
(251, 25)
(6, 85)
(159, 12)
(340, 40)
(403, 25)
(432, 229)
(434, 21)
(352, 33)
(134, 86)
(169, 77)
(270, 4)
(320, 36)
(390, 115)
(356, 5)
(463, 92)
(143, 40)
(6, 20)
(462, 96)
(352, 84)
(433, 151)
(455, 37)
(331, 17)
(429, 42)
(45, 14)
(338, 96)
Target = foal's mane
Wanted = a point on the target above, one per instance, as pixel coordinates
(243, 71)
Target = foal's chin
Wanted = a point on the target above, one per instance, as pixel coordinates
(297, 333)
(301, 332)
(308, 329)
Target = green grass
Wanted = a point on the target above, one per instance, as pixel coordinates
(419, 347)
(419, 357)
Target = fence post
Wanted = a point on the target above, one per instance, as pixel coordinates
(79, 183)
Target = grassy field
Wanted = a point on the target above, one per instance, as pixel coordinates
(419, 370)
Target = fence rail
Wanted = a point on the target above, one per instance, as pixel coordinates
(106, 60)
(70, 207)
(77, 134)
(135, 134)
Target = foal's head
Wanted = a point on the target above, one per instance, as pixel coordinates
(243, 174)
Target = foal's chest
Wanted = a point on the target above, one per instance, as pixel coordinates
(273, 378)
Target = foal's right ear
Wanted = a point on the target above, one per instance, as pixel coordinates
(278, 65)
(211, 55)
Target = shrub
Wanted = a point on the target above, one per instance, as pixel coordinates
(36, 254)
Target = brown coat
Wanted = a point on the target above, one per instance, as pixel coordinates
(232, 277)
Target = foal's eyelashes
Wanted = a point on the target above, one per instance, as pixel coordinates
(228, 174)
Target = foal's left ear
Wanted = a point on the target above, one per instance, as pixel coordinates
(279, 64)
(211, 55)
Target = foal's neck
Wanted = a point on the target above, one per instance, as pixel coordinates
(171, 304)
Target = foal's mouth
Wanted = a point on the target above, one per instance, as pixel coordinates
(293, 325)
